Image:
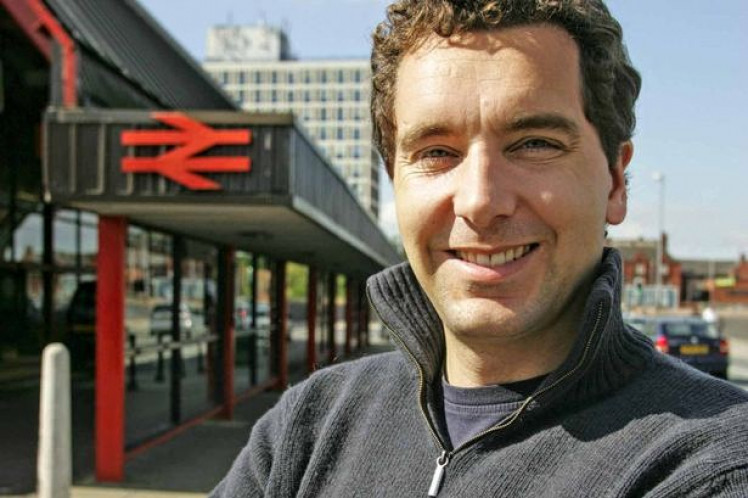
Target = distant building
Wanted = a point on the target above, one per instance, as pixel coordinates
(699, 276)
(640, 273)
(330, 98)
(683, 280)
(732, 289)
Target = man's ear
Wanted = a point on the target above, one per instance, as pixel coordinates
(618, 196)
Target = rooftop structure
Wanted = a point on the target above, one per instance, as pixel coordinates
(330, 98)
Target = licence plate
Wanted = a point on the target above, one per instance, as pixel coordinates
(694, 349)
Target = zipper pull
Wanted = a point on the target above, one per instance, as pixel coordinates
(436, 481)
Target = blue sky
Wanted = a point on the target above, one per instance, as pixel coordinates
(691, 113)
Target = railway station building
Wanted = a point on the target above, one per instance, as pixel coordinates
(148, 223)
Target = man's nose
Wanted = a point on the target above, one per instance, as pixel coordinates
(484, 187)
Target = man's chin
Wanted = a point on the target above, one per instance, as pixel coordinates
(483, 324)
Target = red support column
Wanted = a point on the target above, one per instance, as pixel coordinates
(227, 329)
(331, 316)
(110, 350)
(282, 321)
(311, 320)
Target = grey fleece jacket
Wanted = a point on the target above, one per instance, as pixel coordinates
(617, 419)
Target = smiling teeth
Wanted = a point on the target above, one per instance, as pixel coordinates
(496, 259)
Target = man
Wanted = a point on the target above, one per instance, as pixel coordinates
(505, 126)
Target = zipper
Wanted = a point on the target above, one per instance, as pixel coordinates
(438, 477)
(446, 456)
(512, 417)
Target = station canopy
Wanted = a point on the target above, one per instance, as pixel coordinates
(254, 181)
(156, 140)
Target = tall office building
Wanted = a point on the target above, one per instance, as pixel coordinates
(329, 97)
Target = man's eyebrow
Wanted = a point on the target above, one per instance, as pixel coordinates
(547, 121)
(414, 135)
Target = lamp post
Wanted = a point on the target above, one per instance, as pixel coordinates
(659, 178)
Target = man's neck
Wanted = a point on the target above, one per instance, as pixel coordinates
(471, 364)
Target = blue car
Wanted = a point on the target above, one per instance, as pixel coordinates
(691, 339)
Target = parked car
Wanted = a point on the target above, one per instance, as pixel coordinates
(161, 320)
(691, 339)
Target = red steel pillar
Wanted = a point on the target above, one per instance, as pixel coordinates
(331, 316)
(311, 320)
(110, 349)
(281, 336)
(226, 328)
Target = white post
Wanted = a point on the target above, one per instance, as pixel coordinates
(54, 464)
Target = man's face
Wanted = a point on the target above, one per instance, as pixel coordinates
(501, 184)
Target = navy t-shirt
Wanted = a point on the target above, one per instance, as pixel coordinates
(468, 411)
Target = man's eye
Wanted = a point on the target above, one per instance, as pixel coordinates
(436, 154)
(538, 143)
(538, 149)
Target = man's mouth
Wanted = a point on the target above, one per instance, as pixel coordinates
(496, 258)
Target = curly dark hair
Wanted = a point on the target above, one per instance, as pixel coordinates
(610, 83)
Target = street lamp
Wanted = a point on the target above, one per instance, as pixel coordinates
(660, 178)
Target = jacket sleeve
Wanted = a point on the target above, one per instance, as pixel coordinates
(250, 473)
(733, 484)
(728, 483)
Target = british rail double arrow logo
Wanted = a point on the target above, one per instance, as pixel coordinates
(190, 137)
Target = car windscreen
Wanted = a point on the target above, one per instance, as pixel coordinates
(688, 329)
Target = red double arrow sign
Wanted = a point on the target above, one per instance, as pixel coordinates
(190, 138)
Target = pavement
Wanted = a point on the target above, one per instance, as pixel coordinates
(193, 462)
(188, 465)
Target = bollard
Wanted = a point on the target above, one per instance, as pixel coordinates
(54, 464)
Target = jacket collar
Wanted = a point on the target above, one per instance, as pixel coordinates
(604, 356)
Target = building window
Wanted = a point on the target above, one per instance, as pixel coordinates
(290, 96)
(341, 96)
(357, 95)
(274, 95)
(340, 133)
(257, 78)
(274, 77)
(323, 115)
(323, 133)
(306, 95)
(323, 76)
(340, 75)
(242, 77)
(291, 77)
(357, 76)
(258, 96)
(356, 134)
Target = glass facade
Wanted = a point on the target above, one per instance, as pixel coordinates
(252, 360)
(170, 355)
